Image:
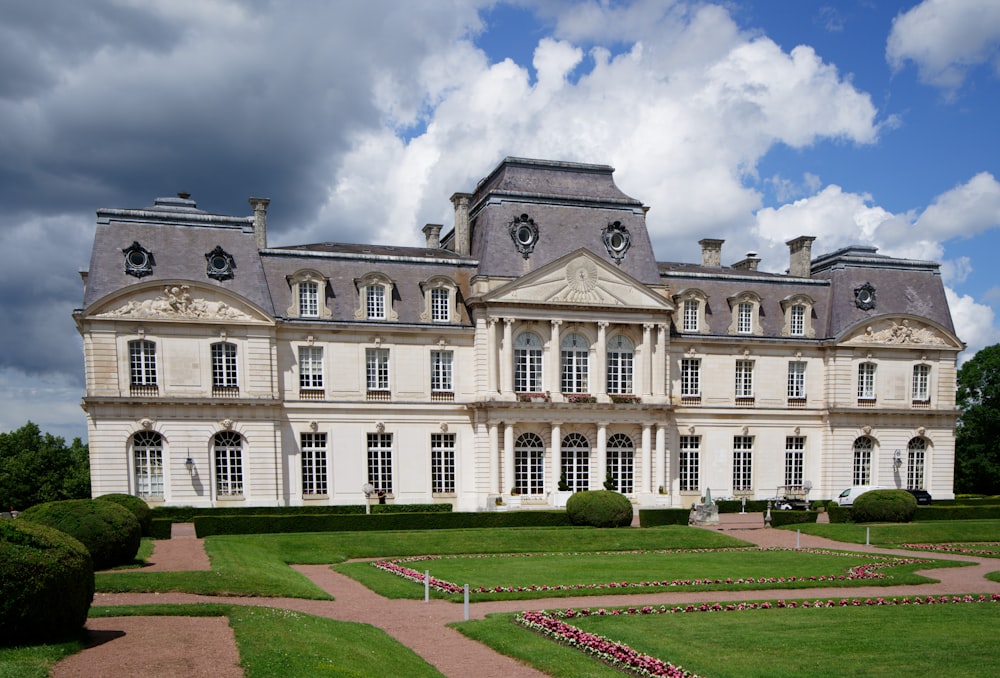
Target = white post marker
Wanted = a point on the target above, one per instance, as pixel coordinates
(466, 602)
(427, 585)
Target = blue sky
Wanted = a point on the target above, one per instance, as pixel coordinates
(854, 121)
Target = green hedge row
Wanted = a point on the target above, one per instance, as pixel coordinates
(842, 514)
(659, 517)
(779, 518)
(211, 525)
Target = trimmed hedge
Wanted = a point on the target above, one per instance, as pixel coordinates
(884, 506)
(108, 530)
(599, 508)
(46, 584)
(957, 513)
(212, 525)
(660, 517)
(139, 508)
(779, 518)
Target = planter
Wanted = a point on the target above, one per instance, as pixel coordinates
(560, 497)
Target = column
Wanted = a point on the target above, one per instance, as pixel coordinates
(662, 461)
(647, 359)
(491, 349)
(555, 445)
(554, 370)
(507, 474)
(602, 456)
(646, 463)
(601, 364)
(660, 361)
(494, 447)
(506, 365)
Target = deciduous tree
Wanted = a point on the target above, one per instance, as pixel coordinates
(977, 437)
(37, 467)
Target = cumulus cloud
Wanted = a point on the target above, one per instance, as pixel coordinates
(945, 39)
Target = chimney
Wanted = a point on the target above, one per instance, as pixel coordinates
(461, 203)
(433, 234)
(749, 264)
(800, 256)
(711, 252)
(260, 220)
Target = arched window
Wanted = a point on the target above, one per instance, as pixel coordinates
(574, 353)
(621, 462)
(528, 363)
(529, 464)
(863, 461)
(147, 455)
(621, 353)
(915, 453)
(227, 451)
(576, 462)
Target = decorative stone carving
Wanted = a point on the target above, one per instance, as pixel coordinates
(176, 303)
(898, 333)
(146, 423)
(227, 424)
(581, 281)
(524, 232)
(139, 261)
(617, 240)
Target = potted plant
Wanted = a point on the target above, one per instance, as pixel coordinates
(563, 493)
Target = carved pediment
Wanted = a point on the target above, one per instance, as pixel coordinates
(177, 302)
(901, 332)
(580, 279)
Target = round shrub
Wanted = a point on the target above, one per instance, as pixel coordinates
(109, 531)
(599, 508)
(139, 508)
(46, 584)
(884, 506)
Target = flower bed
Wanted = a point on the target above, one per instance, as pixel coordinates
(858, 572)
(967, 548)
(553, 625)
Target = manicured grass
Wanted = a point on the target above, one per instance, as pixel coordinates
(282, 643)
(594, 570)
(34, 661)
(906, 533)
(943, 639)
(257, 564)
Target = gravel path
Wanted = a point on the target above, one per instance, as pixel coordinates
(175, 646)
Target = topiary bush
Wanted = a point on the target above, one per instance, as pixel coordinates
(46, 584)
(139, 508)
(599, 508)
(884, 506)
(109, 531)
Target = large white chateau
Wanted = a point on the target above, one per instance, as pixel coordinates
(539, 340)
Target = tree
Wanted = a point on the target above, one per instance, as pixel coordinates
(37, 467)
(977, 436)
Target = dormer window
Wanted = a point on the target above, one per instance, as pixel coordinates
(139, 261)
(308, 291)
(375, 298)
(745, 308)
(692, 305)
(440, 295)
(798, 316)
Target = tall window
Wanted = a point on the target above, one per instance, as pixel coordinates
(866, 381)
(797, 321)
(443, 462)
(375, 302)
(377, 369)
(314, 466)
(862, 461)
(796, 380)
(308, 299)
(228, 449)
(529, 464)
(690, 377)
(147, 452)
(310, 368)
(915, 453)
(921, 384)
(576, 462)
(621, 462)
(380, 461)
(742, 463)
(744, 318)
(224, 365)
(744, 379)
(528, 363)
(691, 315)
(688, 463)
(794, 459)
(440, 310)
(441, 372)
(142, 362)
(620, 359)
(574, 354)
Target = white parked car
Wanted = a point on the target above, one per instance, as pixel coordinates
(847, 497)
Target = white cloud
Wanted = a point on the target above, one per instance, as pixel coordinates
(964, 211)
(945, 38)
(974, 323)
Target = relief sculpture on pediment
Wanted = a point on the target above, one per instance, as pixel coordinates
(176, 302)
(898, 333)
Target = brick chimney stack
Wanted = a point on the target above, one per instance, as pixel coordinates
(800, 256)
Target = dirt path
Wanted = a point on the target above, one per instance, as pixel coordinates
(161, 641)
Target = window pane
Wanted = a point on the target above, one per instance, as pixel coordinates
(798, 321)
(691, 377)
(794, 459)
(375, 300)
(689, 463)
(224, 365)
(528, 363)
(862, 461)
(314, 463)
(147, 449)
(745, 318)
(621, 462)
(142, 363)
(308, 299)
(228, 464)
(744, 378)
(866, 381)
(921, 382)
(742, 463)
(440, 313)
(691, 315)
(620, 359)
(443, 462)
(529, 465)
(310, 367)
(796, 380)
(915, 454)
(377, 368)
(441, 371)
(576, 462)
(574, 356)
(380, 461)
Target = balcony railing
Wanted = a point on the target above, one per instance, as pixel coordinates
(442, 396)
(379, 395)
(144, 390)
(312, 394)
(225, 391)
(745, 402)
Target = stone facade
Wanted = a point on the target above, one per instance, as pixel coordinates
(538, 342)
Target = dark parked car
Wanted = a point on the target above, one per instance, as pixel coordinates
(923, 497)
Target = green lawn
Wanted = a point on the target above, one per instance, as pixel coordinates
(907, 533)
(942, 639)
